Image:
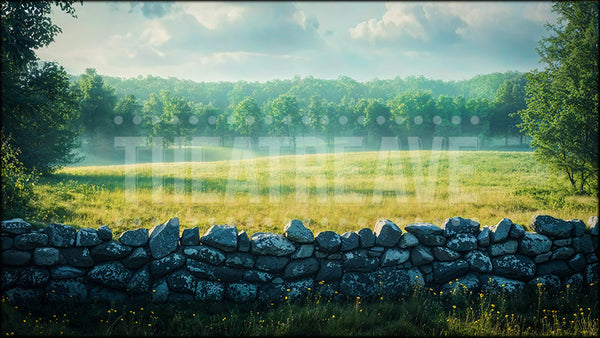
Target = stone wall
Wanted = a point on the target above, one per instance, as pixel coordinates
(62, 263)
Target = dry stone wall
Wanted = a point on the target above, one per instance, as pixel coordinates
(61, 263)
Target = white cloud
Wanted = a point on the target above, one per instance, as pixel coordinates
(213, 14)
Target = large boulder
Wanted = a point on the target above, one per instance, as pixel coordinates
(15, 226)
(444, 254)
(459, 225)
(223, 237)
(66, 272)
(30, 240)
(304, 251)
(393, 256)
(427, 233)
(479, 261)
(366, 237)
(462, 242)
(167, 264)
(78, 257)
(329, 270)
(484, 237)
(295, 231)
(241, 292)
(164, 238)
(467, 282)
(243, 242)
(559, 268)
(138, 258)
(446, 271)
(104, 233)
(533, 244)
(384, 282)
(548, 225)
(328, 241)
(190, 236)
(239, 260)
(205, 253)
(350, 241)
(387, 233)
(46, 256)
(140, 282)
(138, 237)
(32, 276)
(109, 251)
(500, 285)
(593, 223)
(87, 237)
(209, 291)
(182, 281)
(113, 275)
(60, 235)
(359, 261)
(15, 257)
(301, 268)
(66, 290)
(504, 248)
(514, 266)
(264, 243)
(583, 244)
(578, 227)
(501, 231)
(273, 264)
(421, 255)
(407, 241)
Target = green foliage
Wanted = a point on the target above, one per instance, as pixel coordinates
(17, 183)
(246, 118)
(97, 103)
(285, 116)
(562, 100)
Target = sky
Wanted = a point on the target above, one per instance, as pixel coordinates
(261, 41)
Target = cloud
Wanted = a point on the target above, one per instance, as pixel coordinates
(152, 9)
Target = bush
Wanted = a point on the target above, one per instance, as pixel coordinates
(17, 182)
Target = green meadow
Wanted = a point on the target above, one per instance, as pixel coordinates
(340, 192)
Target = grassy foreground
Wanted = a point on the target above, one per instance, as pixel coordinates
(424, 313)
(500, 184)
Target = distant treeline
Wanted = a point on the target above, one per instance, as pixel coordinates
(412, 106)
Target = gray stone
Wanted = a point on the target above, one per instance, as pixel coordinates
(393, 256)
(578, 227)
(501, 230)
(303, 251)
(384, 282)
(241, 292)
(591, 273)
(298, 288)
(591, 258)
(201, 269)
(15, 226)
(7, 242)
(190, 237)
(387, 234)
(593, 223)
(508, 247)
(66, 290)
(549, 283)
(222, 237)
(209, 291)
(164, 238)
(484, 237)
(467, 282)
(421, 255)
(350, 241)
(562, 242)
(109, 251)
(205, 253)
(15, 257)
(444, 254)
(160, 291)
(446, 271)
(182, 281)
(65, 272)
(301, 268)
(462, 242)
(479, 261)
(562, 253)
(548, 225)
(256, 276)
(32, 276)
(427, 233)
(104, 233)
(273, 264)
(239, 260)
(113, 275)
(264, 243)
(87, 237)
(366, 238)
(227, 274)
(500, 285)
(352, 261)
(433, 240)
(329, 271)
(514, 267)
(375, 251)
(30, 241)
(408, 240)
(532, 244)
(559, 268)
(583, 244)
(328, 241)
(295, 231)
(167, 264)
(516, 231)
(243, 241)
(60, 235)
(8, 277)
(23, 296)
(138, 237)
(459, 225)
(79, 257)
(575, 282)
(46, 256)
(541, 258)
(138, 258)
(577, 263)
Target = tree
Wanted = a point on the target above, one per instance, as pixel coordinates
(562, 100)
(97, 103)
(127, 116)
(285, 116)
(246, 117)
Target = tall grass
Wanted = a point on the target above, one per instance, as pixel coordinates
(501, 184)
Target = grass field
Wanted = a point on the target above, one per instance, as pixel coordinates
(501, 184)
